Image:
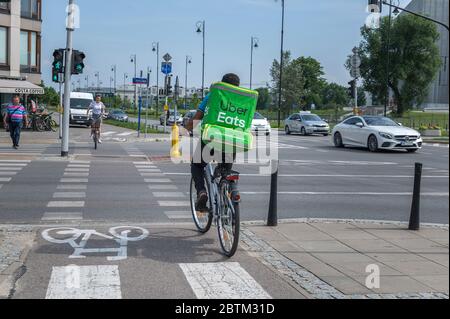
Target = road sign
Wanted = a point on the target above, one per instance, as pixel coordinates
(166, 108)
(140, 81)
(166, 68)
(355, 73)
(167, 57)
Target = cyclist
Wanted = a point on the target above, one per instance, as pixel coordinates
(198, 168)
(98, 109)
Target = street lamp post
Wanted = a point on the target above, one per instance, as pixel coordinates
(188, 61)
(156, 49)
(134, 60)
(254, 45)
(201, 28)
(114, 70)
(87, 82)
(388, 60)
(97, 75)
(125, 77)
(272, 219)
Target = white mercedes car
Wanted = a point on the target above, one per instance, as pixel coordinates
(375, 133)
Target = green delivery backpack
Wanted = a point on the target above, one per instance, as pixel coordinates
(226, 126)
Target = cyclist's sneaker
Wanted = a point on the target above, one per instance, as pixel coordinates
(202, 200)
(100, 141)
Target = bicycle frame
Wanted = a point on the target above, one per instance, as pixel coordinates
(213, 191)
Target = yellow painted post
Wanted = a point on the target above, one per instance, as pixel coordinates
(175, 150)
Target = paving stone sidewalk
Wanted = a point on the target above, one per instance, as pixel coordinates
(329, 259)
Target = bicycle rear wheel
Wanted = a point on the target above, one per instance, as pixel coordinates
(202, 220)
(228, 223)
(95, 136)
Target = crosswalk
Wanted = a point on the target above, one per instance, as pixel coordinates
(9, 169)
(175, 204)
(70, 194)
(26, 149)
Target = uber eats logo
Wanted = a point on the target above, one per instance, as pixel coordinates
(232, 115)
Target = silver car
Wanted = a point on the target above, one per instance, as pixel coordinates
(306, 123)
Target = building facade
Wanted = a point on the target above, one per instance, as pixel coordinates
(437, 10)
(20, 47)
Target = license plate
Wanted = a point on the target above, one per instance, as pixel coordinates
(407, 144)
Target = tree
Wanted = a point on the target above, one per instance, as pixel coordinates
(263, 98)
(334, 95)
(50, 97)
(302, 81)
(414, 59)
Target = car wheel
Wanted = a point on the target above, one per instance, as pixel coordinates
(303, 131)
(412, 150)
(372, 143)
(338, 140)
(267, 134)
(326, 134)
(287, 130)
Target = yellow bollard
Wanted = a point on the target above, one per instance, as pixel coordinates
(175, 150)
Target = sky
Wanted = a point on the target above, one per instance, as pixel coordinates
(111, 31)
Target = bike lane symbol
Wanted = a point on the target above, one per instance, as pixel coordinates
(78, 240)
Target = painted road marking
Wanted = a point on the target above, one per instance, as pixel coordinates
(84, 282)
(66, 204)
(174, 203)
(74, 180)
(159, 180)
(80, 162)
(223, 281)
(348, 194)
(12, 165)
(125, 134)
(69, 195)
(153, 170)
(178, 215)
(78, 174)
(153, 174)
(162, 187)
(77, 169)
(78, 166)
(62, 216)
(78, 240)
(143, 163)
(10, 168)
(15, 161)
(5, 179)
(71, 187)
(145, 167)
(168, 194)
(8, 173)
(108, 133)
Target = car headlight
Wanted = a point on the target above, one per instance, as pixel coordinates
(386, 135)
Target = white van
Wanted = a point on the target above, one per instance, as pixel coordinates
(79, 104)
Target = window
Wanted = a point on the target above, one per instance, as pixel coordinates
(4, 7)
(31, 9)
(295, 117)
(353, 121)
(29, 51)
(3, 46)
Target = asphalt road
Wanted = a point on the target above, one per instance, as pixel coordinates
(316, 180)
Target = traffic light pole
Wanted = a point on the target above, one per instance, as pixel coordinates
(67, 86)
(61, 108)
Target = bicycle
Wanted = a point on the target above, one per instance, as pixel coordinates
(224, 199)
(95, 129)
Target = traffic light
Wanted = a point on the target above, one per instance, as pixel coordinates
(351, 89)
(78, 62)
(169, 86)
(58, 64)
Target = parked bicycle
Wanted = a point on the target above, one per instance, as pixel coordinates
(224, 199)
(43, 122)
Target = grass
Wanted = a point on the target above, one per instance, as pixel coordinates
(131, 126)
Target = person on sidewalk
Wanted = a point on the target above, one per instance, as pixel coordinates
(15, 117)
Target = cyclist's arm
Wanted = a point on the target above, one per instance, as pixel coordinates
(90, 107)
(196, 119)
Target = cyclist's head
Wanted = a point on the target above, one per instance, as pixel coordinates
(98, 98)
(232, 79)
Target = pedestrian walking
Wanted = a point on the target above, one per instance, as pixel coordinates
(15, 117)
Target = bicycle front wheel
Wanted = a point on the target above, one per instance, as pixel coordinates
(228, 223)
(202, 220)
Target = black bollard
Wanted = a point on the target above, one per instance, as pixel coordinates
(414, 221)
(272, 219)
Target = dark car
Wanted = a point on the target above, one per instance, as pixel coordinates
(118, 115)
(189, 115)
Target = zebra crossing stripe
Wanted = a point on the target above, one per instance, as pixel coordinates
(168, 194)
(62, 216)
(178, 215)
(56, 204)
(15, 161)
(74, 180)
(77, 169)
(69, 195)
(7, 173)
(162, 187)
(159, 180)
(5, 179)
(71, 187)
(84, 282)
(224, 281)
(12, 165)
(10, 168)
(174, 203)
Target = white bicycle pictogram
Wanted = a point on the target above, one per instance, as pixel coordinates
(78, 239)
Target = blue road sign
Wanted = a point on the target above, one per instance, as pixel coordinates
(140, 81)
(166, 68)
